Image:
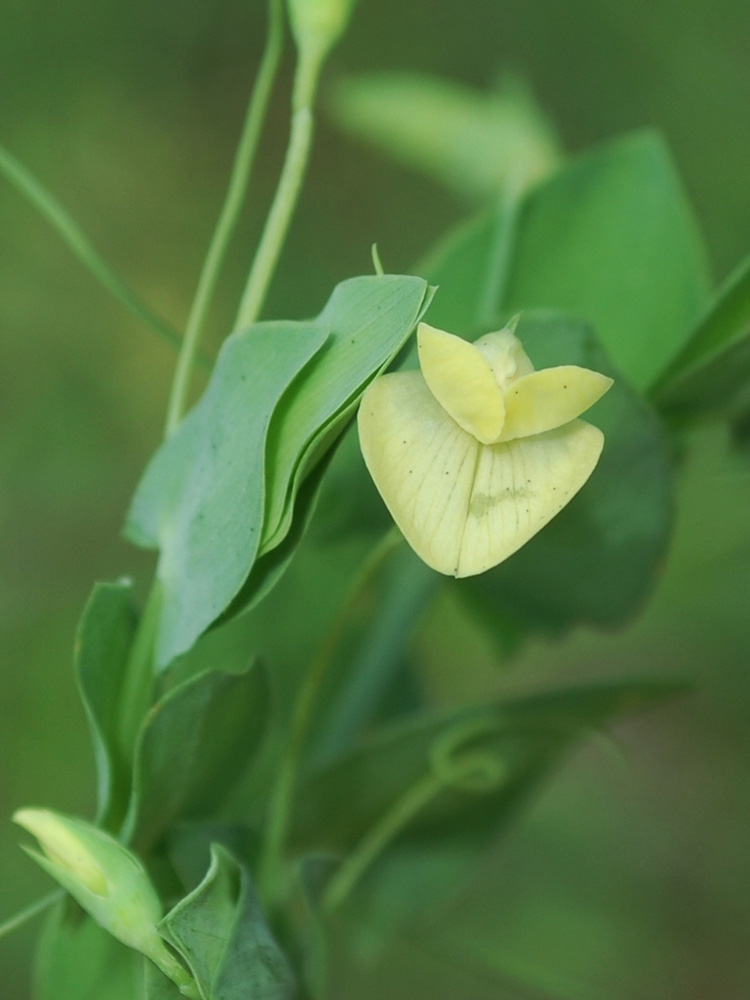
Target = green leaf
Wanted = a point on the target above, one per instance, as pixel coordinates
(404, 890)
(610, 239)
(518, 741)
(515, 741)
(271, 566)
(714, 367)
(597, 561)
(473, 142)
(189, 847)
(221, 932)
(221, 491)
(78, 960)
(340, 373)
(373, 665)
(201, 499)
(194, 744)
(369, 319)
(103, 642)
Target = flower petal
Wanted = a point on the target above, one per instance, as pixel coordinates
(462, 381)
(519, 486)
(422, 463)
(463, 506)
(550, 398)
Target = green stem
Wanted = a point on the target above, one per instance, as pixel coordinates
(282, 797)
(372, 666)
(473, 768)
(378, 837)
(13, 923)
(138, 686)
(51, 209)
(225, 226)
(174, 970)
(287, 191)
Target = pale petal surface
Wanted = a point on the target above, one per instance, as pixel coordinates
(423, 465)
(549, 398)
(462, 381)
(464, 506)
(519, 486)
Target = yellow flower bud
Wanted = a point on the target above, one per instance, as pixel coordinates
(318, 24)
(108, 881)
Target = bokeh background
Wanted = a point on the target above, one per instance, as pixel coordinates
(630, 877)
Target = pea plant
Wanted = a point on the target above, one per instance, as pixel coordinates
(421, 434)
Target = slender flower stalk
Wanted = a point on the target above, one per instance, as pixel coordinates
(377, 839)
(287, 192)
(451, 765)
(138, 684)
(282, 797)
(226, 224)
(316, 25)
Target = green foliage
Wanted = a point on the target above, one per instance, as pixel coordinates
(369, 319)
(489, 760)
(189, 846)
(609, 238)
(270, 567)
(194, 744)
(78, 960)
(105, 636)
(595, 562)
(240, 456)
(313, 874)
(201, 499)
(473, 142)
(221, 932)
(487, 756)
(604, 260)
(377, 660)
(714, 367)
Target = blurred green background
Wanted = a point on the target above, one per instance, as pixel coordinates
(629, 878)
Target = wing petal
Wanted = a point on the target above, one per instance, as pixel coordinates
(549, 398)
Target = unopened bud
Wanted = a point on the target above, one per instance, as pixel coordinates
(107, 880)
(319, 24)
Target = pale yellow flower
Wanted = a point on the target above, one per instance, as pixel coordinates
(475, 453)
